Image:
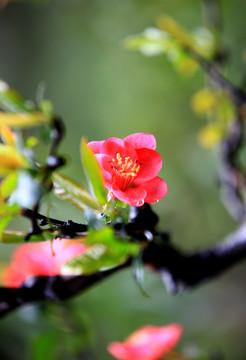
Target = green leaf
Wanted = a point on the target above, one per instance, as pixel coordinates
(11, 100)
(93, 173)
(105, 251)
(4, 222)
(7, 213)
(74, 193)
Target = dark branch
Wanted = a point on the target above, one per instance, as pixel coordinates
(53, 288)
(67, 228)
(180, 270)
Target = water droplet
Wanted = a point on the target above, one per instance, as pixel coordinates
(154, 202)
(140, 203)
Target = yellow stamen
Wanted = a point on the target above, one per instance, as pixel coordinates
(125, 171)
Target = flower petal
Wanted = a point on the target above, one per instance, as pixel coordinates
(156, 189)
(141, 140)
(125, 351)
(151, 163)
(147, 343)
(113, 146)
(40, 259)
(133, 196)
(96, 146)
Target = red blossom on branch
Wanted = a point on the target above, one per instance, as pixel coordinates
(130, 167)
(40, 259)
(147, 343)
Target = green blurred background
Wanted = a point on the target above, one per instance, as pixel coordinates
(102, 90)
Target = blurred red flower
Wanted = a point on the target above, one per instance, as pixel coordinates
(147, 343)
(40, 259)
(130, 167)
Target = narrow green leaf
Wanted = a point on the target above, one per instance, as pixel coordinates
(105, 251)
(74, 193)
(93, 173)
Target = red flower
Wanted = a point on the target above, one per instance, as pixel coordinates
(147, 343)
(40, 259)
(130, 167)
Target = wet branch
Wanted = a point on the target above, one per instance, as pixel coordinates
(180, 270)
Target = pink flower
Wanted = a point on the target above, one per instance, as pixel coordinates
(130, 167)
(40, 259)
(147, 343)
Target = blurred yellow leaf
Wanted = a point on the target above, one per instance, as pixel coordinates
(211, 135)
(169, 25)
(18, 120)
(7, 135)
(10, 159)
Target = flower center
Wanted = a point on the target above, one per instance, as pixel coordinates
(124, 171)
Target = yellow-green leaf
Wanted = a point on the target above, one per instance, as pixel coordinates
(169, 25)
(93, 172)
(8, 184)
(6, 209)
